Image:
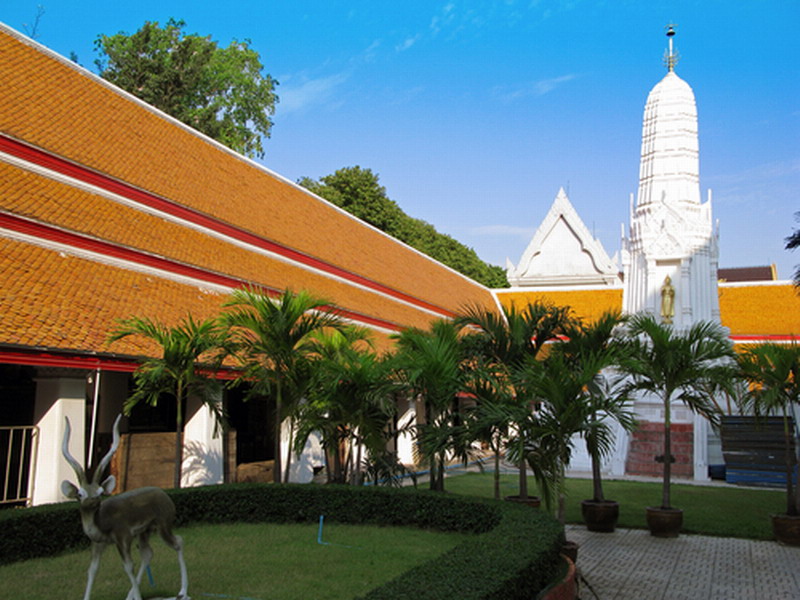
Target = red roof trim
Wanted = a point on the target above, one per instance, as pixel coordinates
(744, 339)
(72, 361)
(50, 161)
(78, 361)
(50, 233)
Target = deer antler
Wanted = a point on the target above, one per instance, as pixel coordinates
(107, 458)
(76, 466)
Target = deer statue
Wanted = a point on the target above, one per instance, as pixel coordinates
(119, 519)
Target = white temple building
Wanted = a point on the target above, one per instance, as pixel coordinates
(671, 232)
(668, 267)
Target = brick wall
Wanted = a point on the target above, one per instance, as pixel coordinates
(647, 443)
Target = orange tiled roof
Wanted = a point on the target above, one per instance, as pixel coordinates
(766, 309)
(52, 105)
(58, 301)
(587, 304)
(747, 310)
(96, 216)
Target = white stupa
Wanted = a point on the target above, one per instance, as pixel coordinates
(670, 257)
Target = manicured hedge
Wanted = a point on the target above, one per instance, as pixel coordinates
(40, 531)
(514, 553)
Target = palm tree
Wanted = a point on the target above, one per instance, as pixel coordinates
(187, 367)
(489, 419)
(272, 339)
(687, 366)
(560, 387)
(508, 341)
(430, 365)
(596, 344)
(774, 372)
(350, 402)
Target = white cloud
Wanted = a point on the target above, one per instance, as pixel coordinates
(309, 92)
(548, 85)
(766, 171)
(407, 43)
(444, 19)
(533, 89)
(508, 230)
(369, 53)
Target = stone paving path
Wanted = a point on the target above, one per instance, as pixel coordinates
(630, 564)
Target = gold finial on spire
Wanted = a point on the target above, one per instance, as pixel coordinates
(670, 57)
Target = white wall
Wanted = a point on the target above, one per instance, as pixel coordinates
(57, 398)
(202, 451)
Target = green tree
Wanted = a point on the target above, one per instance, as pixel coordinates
(506, 343)
(350, 403)
(272, 338)
(673, 365)
(359, 192)
(792, 242)
(490, 417)
(774, 372)
(190, 357)
(430, 365)
(218, 91)
(595, 345)
(560, 388)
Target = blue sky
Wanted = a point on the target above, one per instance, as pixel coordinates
(474, 113)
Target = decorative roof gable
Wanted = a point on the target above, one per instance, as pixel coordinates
(563, 252)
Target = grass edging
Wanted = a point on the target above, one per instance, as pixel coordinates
(514, 554)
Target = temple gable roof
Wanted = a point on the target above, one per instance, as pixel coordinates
(563, 252)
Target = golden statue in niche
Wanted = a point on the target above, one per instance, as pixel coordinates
(667, 301)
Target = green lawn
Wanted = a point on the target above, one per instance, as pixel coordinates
(252, 561)
(724, 511)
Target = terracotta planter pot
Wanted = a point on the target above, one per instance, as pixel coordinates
(664, 522)
(532, 501)
(786, 529)
(600, 516)
(566, 588)
(570, 550)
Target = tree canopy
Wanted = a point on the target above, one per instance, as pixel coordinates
(359, 192)
(218, 91)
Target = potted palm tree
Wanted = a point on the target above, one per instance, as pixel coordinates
(676, 366)
(561, 389)
(607, 401)
(774, 373)
(506, 343)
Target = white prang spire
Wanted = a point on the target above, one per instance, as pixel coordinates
(671, 232)
(669, 169)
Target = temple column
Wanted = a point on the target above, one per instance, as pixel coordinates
(58, 397)
(202, 450)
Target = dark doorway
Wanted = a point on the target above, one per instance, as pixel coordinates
(17, 401)
(17, 395)
(254, 424)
